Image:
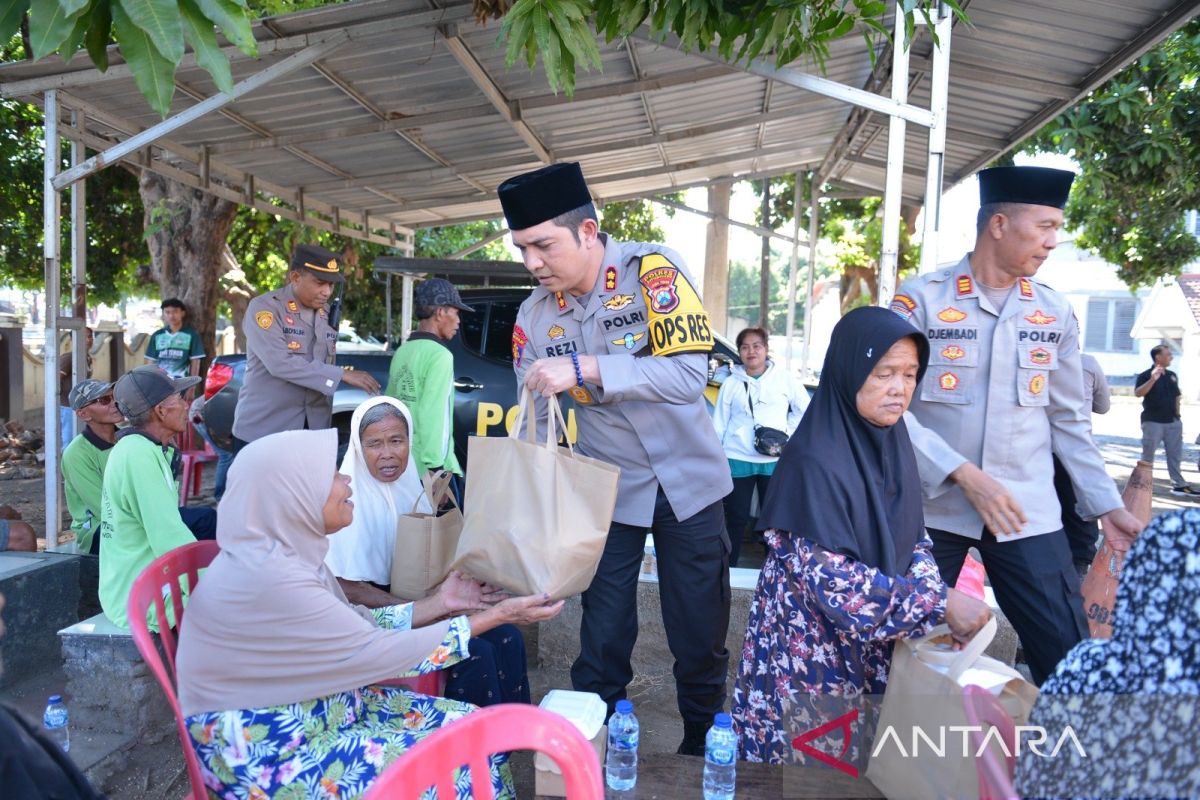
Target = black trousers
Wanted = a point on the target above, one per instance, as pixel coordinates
(737, 510)
(1081, 534)
(693, 572)
(1036, 586)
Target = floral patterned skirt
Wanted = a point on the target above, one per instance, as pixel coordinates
(333, 747)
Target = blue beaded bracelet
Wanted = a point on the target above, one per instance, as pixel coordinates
(578, 369)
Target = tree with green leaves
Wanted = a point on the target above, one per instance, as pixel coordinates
(855, 227)
(154, 34)
(1136, 140)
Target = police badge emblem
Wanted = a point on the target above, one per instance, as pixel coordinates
(660, 288)
(264, 319)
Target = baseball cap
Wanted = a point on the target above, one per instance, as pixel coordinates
(87, 391)
(142, 388)
(319, 262)
(439, 292)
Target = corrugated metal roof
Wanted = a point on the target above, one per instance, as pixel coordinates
(415, 120)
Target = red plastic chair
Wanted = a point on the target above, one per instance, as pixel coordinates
(983, 712)
(193, 462)
(497, 729)
(147, 592)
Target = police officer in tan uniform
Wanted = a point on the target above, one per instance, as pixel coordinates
(620, 328)
(290, 375)
(1004, 391)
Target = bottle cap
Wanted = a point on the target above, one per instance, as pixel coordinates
(722, 720)
(624, 706)
(55, 698)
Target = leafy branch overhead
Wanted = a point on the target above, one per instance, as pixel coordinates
(154, 35)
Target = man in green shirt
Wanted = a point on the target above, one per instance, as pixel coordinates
(85, 457)
(139, 507)
(175, 349)
(422, 375)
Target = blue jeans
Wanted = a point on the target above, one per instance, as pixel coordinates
(66, 426)
(224, 459)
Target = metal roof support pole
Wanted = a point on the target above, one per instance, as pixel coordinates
(792, 264)
(155, 132)
(814, 208)
(939, 90)
(78, 266)
(387, 301)
(51, 248)
(893, 184)
(406, 307)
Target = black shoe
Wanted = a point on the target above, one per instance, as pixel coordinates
(694, 734)
(1185, 491)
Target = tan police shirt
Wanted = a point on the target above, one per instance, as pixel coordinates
(645, 324)
(1004, 388)
(290, 375)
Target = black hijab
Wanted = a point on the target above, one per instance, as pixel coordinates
(841, 482)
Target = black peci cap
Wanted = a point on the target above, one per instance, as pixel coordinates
(533, 197)
(318, 261)
(1038, 186)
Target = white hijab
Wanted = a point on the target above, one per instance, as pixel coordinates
(362, 551)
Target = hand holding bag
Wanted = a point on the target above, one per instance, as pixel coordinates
(925, 696)
(426, 543)
(537, 514)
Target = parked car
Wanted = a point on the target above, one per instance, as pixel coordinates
(485, 392)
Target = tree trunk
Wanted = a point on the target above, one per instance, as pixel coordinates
(238, 292)
(186, 231)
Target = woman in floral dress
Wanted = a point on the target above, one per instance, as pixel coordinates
(277, 673)
(849, 568)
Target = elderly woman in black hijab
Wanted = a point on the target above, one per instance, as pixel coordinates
(849, 568)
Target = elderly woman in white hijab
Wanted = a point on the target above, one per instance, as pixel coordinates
(386, 485)
(277, 671)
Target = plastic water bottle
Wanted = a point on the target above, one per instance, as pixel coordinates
(720, 756)
(57, 722)
(620, 764)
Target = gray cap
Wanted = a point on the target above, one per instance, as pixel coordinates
(439, 292)
(87, 391)
(142, 388)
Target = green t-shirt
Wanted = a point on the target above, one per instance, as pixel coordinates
(83, 463)
(174, 352)
(139, 518)
(422, 377)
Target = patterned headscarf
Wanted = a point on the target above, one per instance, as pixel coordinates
(1133, 700)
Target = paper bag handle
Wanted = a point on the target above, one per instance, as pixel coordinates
(554, 421)
(436, 488)
(964, 659)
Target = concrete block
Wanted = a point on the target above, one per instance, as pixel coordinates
(41, 591)
(111, 688)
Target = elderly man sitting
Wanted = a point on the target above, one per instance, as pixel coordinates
(140, 518)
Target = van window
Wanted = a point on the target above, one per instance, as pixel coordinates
(500, 320)
(470, 327)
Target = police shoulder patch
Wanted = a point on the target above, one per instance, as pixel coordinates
(264, 319)
(903, 305)
(677, 319)
(519, 340)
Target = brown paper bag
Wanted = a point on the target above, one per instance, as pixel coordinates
(1100, 585)
(425, 543)
(903, 764)
(537, 515)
